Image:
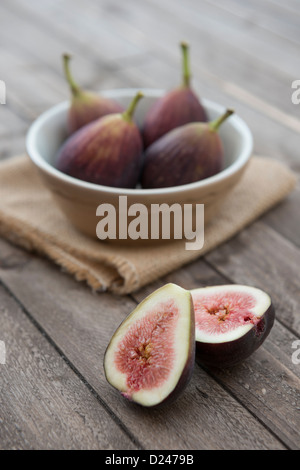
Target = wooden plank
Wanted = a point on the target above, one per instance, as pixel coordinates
(256, 90)
(43, 83)
(12, 145)
(261, 45)
(267, 383)
(266, 15)
(270, 138)
(10, 123)
(285, 218)
(135, 25)
(204, 417)
(224, 37)
(44, 405)
(85, 35)
(290, 5)
(28, 103)
(263, 99)
(284, 93)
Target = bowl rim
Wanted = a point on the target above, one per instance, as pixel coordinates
(45, 166)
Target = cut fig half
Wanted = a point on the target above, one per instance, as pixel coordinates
(150, 357)
(232, 321)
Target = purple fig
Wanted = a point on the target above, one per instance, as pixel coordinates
(107, 151)
(232, 321)
(86, 106)
(176, 108)
(150, 358)
(186, 154)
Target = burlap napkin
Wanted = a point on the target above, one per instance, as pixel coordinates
(29, 218)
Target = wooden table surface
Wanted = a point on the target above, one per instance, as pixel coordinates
(53, 391)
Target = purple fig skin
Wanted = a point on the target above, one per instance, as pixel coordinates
(107, 152)
(86, 107)
(178, 107)
(186, 373)
(186, 154)
(228, 354)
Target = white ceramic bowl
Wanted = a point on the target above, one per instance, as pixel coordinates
(79, 199)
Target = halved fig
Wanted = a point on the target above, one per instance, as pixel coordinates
(150, 357)
(232, 321)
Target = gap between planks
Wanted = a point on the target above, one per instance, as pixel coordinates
(234, 90)
(59, 394)
(32, 272)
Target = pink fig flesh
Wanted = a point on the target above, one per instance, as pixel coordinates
(232, 322)
(150, 357)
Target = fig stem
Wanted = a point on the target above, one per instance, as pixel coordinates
(185, 64)
(127, 115)
(74, 87)
(214, 125)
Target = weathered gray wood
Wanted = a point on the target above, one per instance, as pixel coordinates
(266, 15)
(85, 36)
(10, 123)
(136, 21)
(44, 405)
(270, 138)
(265, 387)
(81, 324)
(245, 55)
(222, 47)
(10, 146)
(267, 383)
(285, 218)
(291, 6)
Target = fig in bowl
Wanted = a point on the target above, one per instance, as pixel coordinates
(175, 108)
(232, 321)
(150, 357)
(79, 199)
(107, 151)
(194, 152)
(86, 106)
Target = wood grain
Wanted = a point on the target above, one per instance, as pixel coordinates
(44, 405)
(268, 373)
(82, 327)
(244, 55)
